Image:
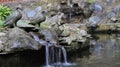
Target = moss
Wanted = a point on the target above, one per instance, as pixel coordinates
(91, 1)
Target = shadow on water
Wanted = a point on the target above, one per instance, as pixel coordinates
(28, 58)
(102, 50)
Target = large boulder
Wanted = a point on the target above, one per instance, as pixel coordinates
(17, 39)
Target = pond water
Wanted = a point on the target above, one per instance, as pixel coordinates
(103, 51)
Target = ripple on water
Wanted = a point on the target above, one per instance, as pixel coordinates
(63, 64)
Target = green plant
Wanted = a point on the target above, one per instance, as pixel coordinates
(4, 12)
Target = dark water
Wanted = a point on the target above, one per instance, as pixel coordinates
(103, 51)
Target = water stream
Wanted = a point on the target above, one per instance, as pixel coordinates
(47, 56)
(64, 54)
(53, 53)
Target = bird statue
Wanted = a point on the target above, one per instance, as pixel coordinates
(13, 18)
(38, 18)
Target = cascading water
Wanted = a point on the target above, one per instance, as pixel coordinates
(47, 56)
(53, 53)
(59, 55)
(64, 54)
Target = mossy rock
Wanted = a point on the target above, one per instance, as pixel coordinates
(45, 25)
(24, 23)
(91, 1)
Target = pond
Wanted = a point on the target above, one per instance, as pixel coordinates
(103, 51)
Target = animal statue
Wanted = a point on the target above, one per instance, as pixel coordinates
(38, 18)
(55, 20)
(12, 19)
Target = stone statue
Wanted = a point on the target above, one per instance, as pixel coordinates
(13, 18)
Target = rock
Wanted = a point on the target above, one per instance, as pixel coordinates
(38, 8)
(24, 24)
(65, 33)
(50, 35)
(31, 13)
(55, 20)
(109, 2)
(116, 9)
(2, 34)
(17, 39)
(82, 33)
(111, 14)
(98, 8)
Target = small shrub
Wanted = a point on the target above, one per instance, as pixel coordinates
(4, 12)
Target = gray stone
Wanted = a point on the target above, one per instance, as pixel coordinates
(17, 40)
(24, 24)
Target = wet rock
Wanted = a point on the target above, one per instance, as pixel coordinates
(17, 40)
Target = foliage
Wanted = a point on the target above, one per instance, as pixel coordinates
(4, 12)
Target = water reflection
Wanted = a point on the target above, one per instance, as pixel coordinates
(24, 59)
(105, 52)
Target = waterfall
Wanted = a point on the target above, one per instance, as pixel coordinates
(53, 52)
(41, 41)
(47, 56)
(59, 55)
(64, 54)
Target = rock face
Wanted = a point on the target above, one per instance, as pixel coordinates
(50, 35)
(17, 40)
(73, 32)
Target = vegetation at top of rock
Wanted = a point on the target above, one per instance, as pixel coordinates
(4, 12)
(91, 1)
